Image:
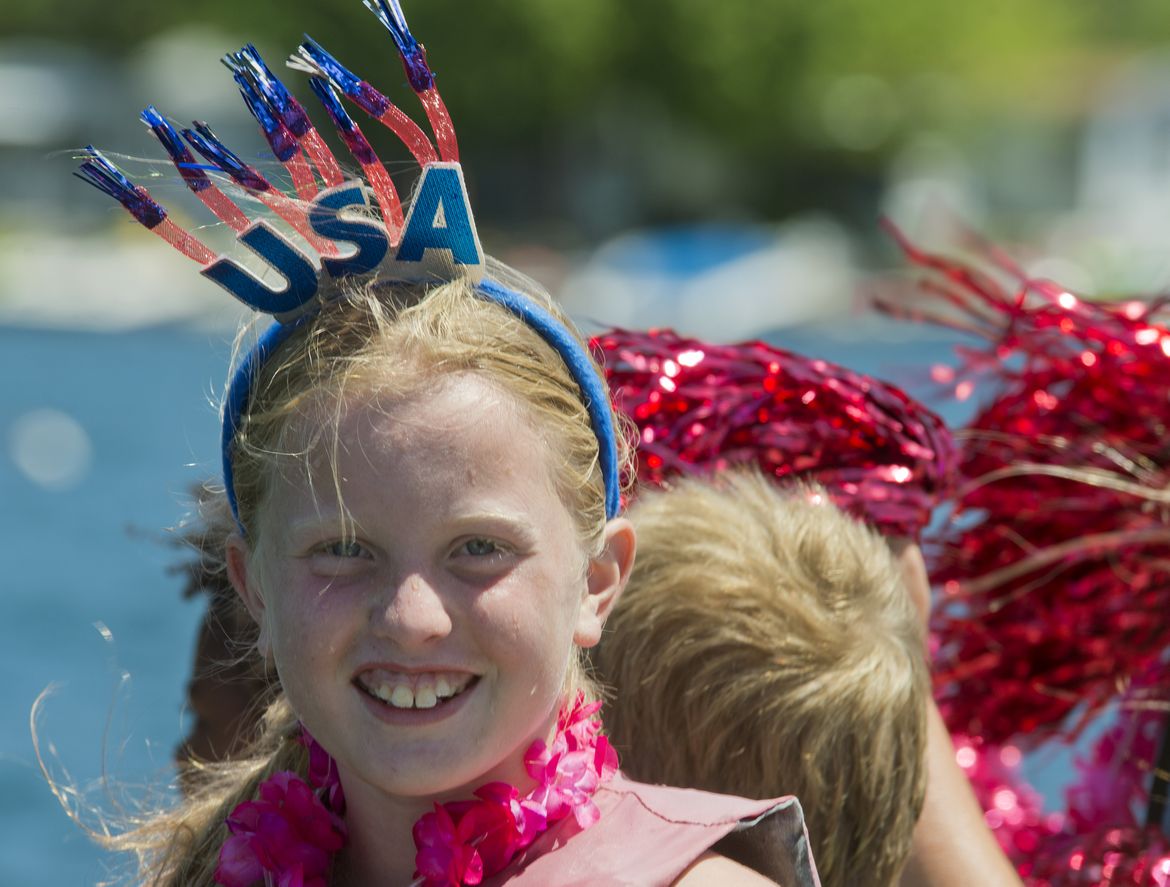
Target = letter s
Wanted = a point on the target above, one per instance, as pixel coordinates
(326, 218)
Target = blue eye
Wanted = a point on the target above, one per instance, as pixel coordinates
(480, 547)
(344, 549)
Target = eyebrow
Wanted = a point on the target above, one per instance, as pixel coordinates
(297, 528)
(513, 522)
(499, 520)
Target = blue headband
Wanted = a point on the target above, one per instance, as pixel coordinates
(551, 330)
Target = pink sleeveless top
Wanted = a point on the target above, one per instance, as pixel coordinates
(649, 834)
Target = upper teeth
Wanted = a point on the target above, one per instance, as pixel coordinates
(415, 690)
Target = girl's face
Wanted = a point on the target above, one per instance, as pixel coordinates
(428, 650)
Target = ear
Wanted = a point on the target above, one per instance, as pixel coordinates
(243, 578)
(608, 574)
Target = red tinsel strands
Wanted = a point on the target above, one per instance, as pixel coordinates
(284, 122)
(1110, 858)
(1015, 811)
(1054, 849)
(1114, 779)
(1054, 560)
(327, 165)
(411, 134)
(440, 120)
(701, 407)
(205, 141)
(298, 219)
(384, 191)
(102, 174)
(224, 209)
(301, 174)
(184, 242)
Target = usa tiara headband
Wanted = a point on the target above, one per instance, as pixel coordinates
(435, 240)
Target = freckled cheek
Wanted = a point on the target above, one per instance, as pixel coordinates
(528, 634)
(307, 663)
(497, 623)
(310, 634)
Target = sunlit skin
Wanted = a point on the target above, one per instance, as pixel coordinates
(464, 562)
(952, 845)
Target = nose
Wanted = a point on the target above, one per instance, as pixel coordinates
(413, 612)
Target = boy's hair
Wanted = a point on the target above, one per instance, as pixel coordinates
(765, 646)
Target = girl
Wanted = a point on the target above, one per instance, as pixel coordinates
(423, 471)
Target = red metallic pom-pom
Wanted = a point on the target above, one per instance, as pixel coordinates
(701, 407)
(1054, 561)
(1110, 857)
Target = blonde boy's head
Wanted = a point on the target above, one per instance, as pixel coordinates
(766, 646)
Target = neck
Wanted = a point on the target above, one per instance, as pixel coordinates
(380, 849)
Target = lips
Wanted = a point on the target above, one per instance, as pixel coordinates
(416, 689)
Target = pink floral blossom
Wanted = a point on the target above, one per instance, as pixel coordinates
(569, 771)
(476, 839)
(445, 855)
(525, 821)
(323, 773)
(567, 782)
(288, 834)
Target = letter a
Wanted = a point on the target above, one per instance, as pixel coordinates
(440, 219)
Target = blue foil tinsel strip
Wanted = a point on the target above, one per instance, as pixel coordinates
(414, 57)
(182, 157)
(104, 176)
(354, 140)
(357, 90)
(203, 140)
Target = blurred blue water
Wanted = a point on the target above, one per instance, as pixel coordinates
(95, 555)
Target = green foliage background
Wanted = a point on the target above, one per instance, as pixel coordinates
(540, 87)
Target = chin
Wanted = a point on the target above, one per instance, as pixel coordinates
(441, 772)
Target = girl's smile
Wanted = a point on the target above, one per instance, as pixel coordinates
(415, 698)
(420, 689)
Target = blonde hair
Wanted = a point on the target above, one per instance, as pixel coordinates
(391, 339)
(399, 339)
(765, 646)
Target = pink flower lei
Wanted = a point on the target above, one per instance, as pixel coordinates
(289, 836)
